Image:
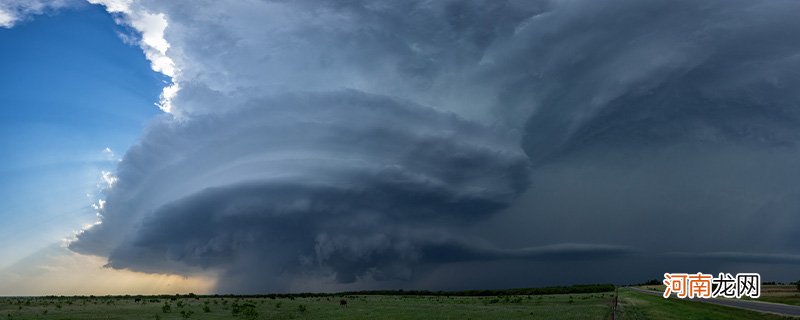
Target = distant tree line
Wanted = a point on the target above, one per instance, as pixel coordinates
(582, 288)
(654, 282)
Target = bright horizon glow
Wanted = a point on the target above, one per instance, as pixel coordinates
(58, 271)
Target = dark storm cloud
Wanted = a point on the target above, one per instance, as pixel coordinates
(454, 251)
(671, 125)
(767, 258)
(637, 73)
(430, 52)
(660, 126)
(354, 184)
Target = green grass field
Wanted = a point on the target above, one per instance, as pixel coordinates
(634, 306)
(568, 306)
(785, 294)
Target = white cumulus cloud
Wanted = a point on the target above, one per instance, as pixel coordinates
(13, 11)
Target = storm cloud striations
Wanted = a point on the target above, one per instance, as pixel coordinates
(316, 144)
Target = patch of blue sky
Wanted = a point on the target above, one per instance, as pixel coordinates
(69, 88)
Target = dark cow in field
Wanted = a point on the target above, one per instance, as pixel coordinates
(137, 300)
(343, 303)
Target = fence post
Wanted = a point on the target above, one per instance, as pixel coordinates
(614, 306)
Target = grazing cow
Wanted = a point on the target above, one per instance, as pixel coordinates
(137, 300)
(343, 303)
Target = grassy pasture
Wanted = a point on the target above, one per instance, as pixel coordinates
(786, 294)
(635, 306)
(632, 306)
(561, 306)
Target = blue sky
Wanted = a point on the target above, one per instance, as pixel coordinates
(69, 88)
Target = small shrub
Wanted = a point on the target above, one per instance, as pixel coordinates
(248, 311)
(206, 309)
(235, 309)
(302, 308)
(166, 308)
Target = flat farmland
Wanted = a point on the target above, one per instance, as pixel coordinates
(559, 306)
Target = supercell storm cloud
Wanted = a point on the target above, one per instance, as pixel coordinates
(347, 182)
(355, 142)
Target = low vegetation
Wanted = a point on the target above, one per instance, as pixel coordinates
(362, 306)
(635, 306)
(571, 302)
